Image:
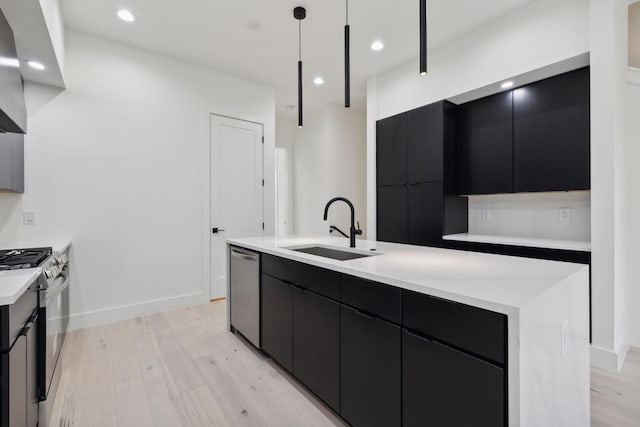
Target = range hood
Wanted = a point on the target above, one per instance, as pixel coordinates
(13, 113)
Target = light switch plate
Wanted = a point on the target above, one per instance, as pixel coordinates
(29, 217)
(565, 214)
(485, 214)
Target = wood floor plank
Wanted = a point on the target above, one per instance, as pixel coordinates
(182, 368)
(132, 404)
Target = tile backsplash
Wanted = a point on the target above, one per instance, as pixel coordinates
(554, 215)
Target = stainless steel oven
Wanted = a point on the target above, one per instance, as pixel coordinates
(54, 319)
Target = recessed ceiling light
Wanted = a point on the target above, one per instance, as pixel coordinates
(377, 45)
(318, 81)
(126, 15)
(36, 65)
(507, 85)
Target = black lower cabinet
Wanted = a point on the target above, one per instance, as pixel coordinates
(445, 387)
(18, 383)
(276, 320)
(23, 382)
(370, 370)
(316, 345)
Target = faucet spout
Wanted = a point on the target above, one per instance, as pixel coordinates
(353, 230)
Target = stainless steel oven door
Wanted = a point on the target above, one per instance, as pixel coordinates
(57, 312)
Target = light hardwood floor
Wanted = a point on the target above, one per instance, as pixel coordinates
(182, 368)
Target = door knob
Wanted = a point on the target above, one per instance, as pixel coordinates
(216, 230)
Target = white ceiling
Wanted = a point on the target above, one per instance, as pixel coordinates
(216, 33)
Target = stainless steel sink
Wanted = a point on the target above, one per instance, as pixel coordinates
(326, 252)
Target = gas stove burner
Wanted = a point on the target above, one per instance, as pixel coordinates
(16, 259)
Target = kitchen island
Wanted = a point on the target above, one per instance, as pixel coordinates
(445, 334)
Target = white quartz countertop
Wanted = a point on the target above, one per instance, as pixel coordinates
(13, 283)
(569, 245)
(495, 282)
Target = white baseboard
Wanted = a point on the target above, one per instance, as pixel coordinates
(114, 314)
(607, 359)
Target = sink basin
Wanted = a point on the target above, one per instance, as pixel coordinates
(331, 253)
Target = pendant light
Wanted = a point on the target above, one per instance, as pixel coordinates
(347, 62)
(423, 37)
(299, 13)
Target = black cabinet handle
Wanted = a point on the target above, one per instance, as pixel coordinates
(416, 335)
(363, 314)
(26, 329)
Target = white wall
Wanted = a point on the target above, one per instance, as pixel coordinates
(539, 34)
(631, 208)
(608, 38)
(119, 164)
(285, 138)
(53, 18)
(634, 35)
(329, 161)
(532, 215)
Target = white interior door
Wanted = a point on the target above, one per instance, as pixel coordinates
(236, 190)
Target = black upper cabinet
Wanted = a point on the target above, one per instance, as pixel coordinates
(445, 387)
(12, 162)
(13, 113)
(425, 149)
(370, 370)
(485, 145)
(414, 203)
(425, 210)
(392, 150)
(392, 214)
(552, 134)
(316, 345)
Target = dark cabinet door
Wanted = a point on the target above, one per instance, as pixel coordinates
(276, 320)
(425, 213)
(18, 383)
(32, 377)
(485, 145)
(552, 134)
(392, 150)
(444, 387)
(370, 370)
(316, 345)
(425, 143)
(392, 214)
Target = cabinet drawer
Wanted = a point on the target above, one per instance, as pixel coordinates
(319, 280)
(478, 331)
(374, 298)
(448, 387)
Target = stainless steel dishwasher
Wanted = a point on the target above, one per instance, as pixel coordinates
(244, 283)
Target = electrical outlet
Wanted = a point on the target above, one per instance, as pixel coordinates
(565, 214)
(564, 338)
(485, 214)
(30, 217)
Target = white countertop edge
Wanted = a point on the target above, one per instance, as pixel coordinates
(532, 242)
(13, 283)
(496, 306)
